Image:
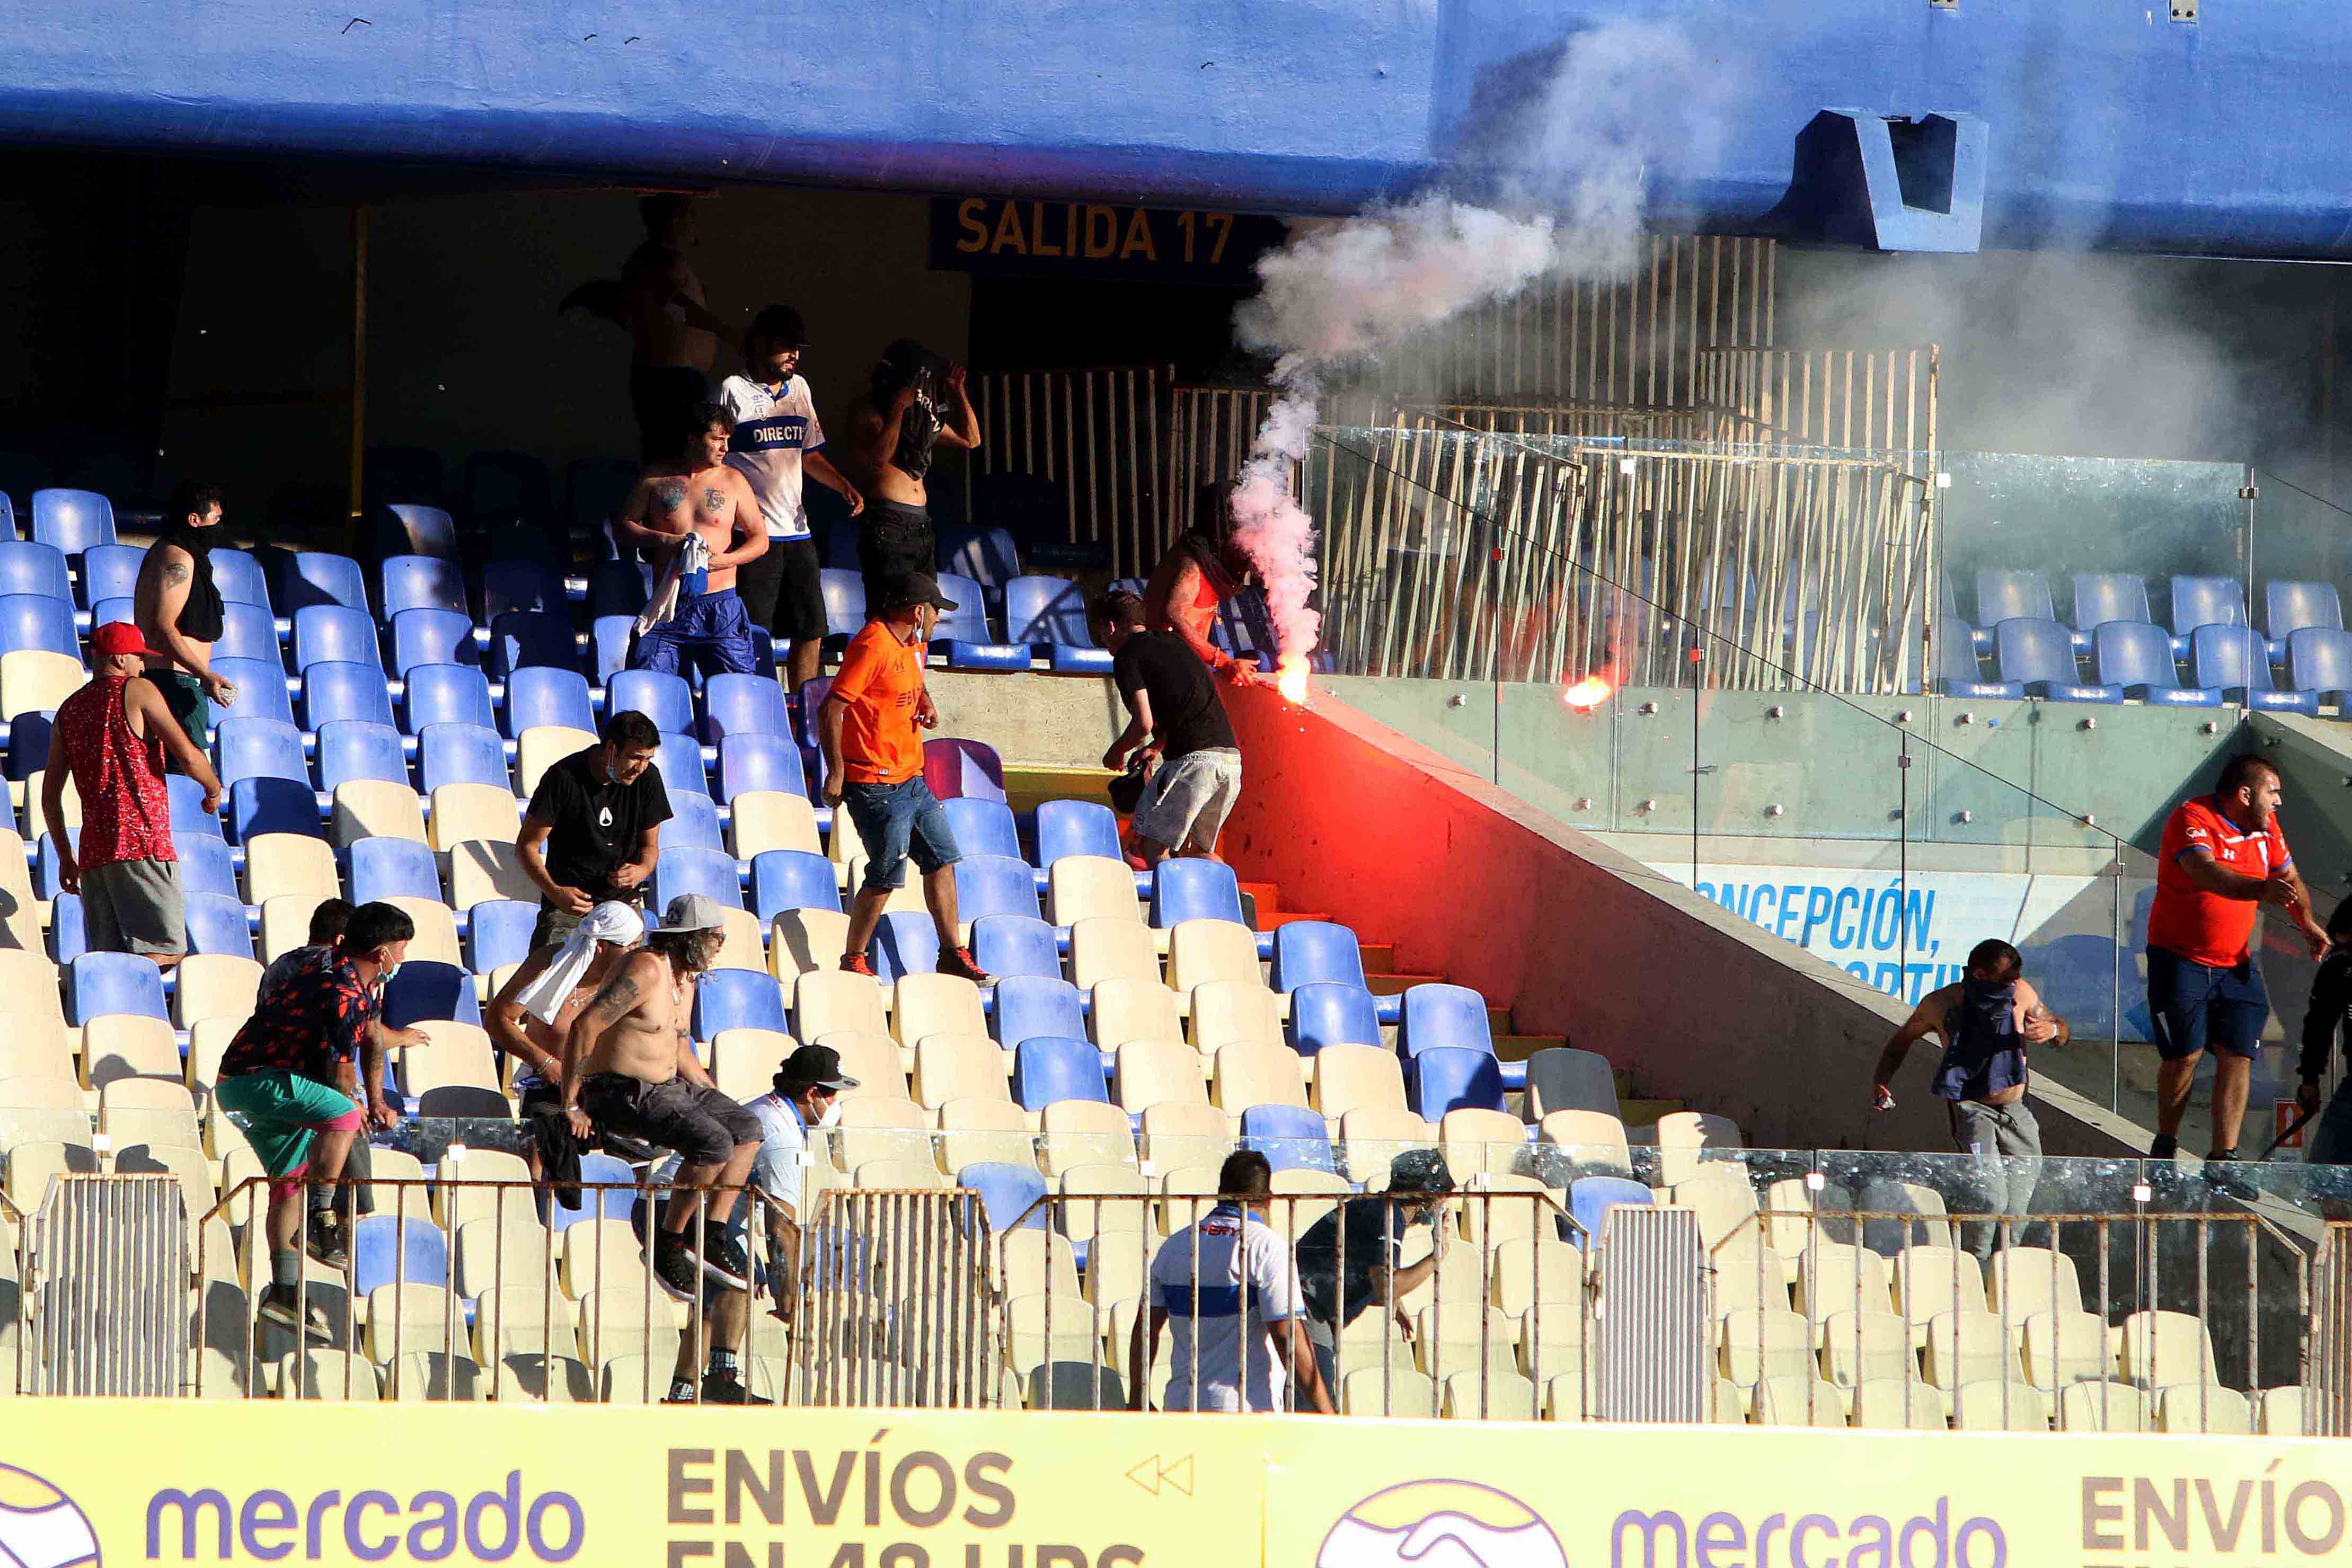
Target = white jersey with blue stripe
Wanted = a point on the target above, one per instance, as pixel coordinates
(1241, 1261)
(772, 429)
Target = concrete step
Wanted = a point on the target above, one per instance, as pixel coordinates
(1519, 1047)
(1395, 984)
(1646, 1112)
(1380, 957)
(1498, 1019)
(1268, 896)
(1276, 919)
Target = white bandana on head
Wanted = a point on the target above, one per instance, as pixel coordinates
(610, 922)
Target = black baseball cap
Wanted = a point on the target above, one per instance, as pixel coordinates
(812, 1067)
(1420, 1170)
(919, 588)
(780, 324)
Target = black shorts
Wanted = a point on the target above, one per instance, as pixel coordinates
(894, 541)
(701, 1124)
(783, 590)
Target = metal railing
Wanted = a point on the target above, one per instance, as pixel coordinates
(895, 1290)
(1871, 400)
(1095, 432)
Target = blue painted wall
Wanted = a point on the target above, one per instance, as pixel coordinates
(2108, 123)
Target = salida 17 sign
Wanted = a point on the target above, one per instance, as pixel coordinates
(1019, 237)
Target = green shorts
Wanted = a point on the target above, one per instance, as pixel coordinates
(184, 695)
(280, 1111)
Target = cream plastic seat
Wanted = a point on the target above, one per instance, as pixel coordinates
(1120, 1191)
(463, 1191)
(279, 864)
(286, 918)
(1530, 1268)
(530, 1378)
(1031, 1261)
(1201, 951)
(824, 1002)
(1041, 1328)
(435, 1376)
(902, 1175)
(1835, 1277)
(765, 819)
(128, 1045)
(2104, 1407)
(1683, 1135)
(2207, 1408)
(1480, 1142)
(2162, 1347)
(1145, 1074)
(1231, 1012)
(327, 1374)
(1506, 1398)
(2024, 1280)
(876, 1128)
(875, 1059)
(36, 680)
(1396, 1391)
(1591, 1138)
(1256, 1073)
(1932, 1280)
(1990, 1407)
(957, 1067)
(1083, 1133)
(807, 942)
(540, 748)
(2282, 1412)
(742, 942)
(926, 1005)
(1374, 1136)
(375, 808)
(1856, 1348)
(402, 1318)
(158, 1112)
(601, 1255)
(1517, 1206)
(20, 919)
(214, 985)
(1965, 1348)
(484, 869)
(1179, 1134)
(1080, 887)
(435, 940)
(1127, 1010)
(1302, 1197)
(460, 1055)
(984, 1130)
(743, 1062)
(2066, 1347)
(1752, 1346)
(1350, 1078)
(1891, 1403)
(493, 1257)
(1108, 947)
(35, 1045)
(1799, 1402)
(486, 813)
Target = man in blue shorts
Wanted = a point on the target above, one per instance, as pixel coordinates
(2222, 855)
(700, 521)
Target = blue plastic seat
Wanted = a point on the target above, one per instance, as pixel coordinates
(596, 1198)
(249, 632)
(498, 932)
(791, 879)
(508, 487)
(450, 753)
(1590, 1198)
(1306, 951)
(1047, 1068)
(218, 924)
(1029, 1006)
(708, 871)
(446, 693)
(2206, 601)
(2136, 655)
(28, 745)
(994, 884)
(260, 748)
(422, 530)
(2319, 659)
(664, 698)
(1452, 1078)
(8, 530)
(904, 944)
(36, 621)
(98, 984)
(522, 585)
(737, 998)
(982, 828)
(422, 637)
(266, 804)
(421, 582)
(1075, 827)
(964, 633)
(188, 814)
(1185, 890)
(354, 748)
(2040, 656)
(844, 604)
(987, 556)
(314, 579)
(2236, 659)
(680, 761)
(68, 937)
(110, 571)
(333, 634)
(692, 824)
(1956, 664)
(261, 691)
(2291, 607)
(406, 1250)
(425, 989)
(336, 690)
(954, 768)
(72, 521)
(1010, 1197)
(239, 578)
(520, 639)
(1438, 1016)
(2005, 595)
(748, 762)
(1011, 945)
(608, 644)
(1049, 615)
(537, 694)
(1291, 1137)
(617, 587)
(743, 705)
(1330, 1013)
(392, 868)
(26, 567)
(106, 612)
(206, 866)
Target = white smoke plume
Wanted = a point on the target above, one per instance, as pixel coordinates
(1572, 160)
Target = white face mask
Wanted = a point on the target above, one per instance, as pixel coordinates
(832, 1117)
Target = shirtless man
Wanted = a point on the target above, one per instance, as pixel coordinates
(533, 1012)
(672, 336)
(629, 1068)
(698, 497)
(917, 401)
(179, 612)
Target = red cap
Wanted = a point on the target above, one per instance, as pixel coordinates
(117, 638)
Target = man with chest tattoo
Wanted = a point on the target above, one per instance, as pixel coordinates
(701, 521)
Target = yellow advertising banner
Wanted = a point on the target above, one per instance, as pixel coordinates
(108, 1483)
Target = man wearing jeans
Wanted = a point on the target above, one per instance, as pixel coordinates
(1986, 1023)
(874, 770)
(1176, 716)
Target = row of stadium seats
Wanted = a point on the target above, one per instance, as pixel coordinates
(2134, 659)
(2102, 599)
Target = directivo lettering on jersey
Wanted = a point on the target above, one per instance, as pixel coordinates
(205, 1525)
(784, 430)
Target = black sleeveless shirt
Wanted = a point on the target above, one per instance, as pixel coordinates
(201, 618)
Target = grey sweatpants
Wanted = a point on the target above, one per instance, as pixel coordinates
(2007, 1142)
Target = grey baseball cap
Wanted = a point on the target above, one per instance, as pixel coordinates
(694, 912)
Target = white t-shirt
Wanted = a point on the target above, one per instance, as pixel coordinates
(1239, 1258)
(776, 1169)
(771, 431)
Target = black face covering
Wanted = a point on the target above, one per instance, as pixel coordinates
(906, 363)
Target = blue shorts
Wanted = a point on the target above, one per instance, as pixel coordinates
(2196, 1006)
(712, 632)
(897, 821)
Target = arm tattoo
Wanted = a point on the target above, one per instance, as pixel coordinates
(670, 494)
(618, 998)
(176, 572)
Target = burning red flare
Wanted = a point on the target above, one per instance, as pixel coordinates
(1291, 682)
(1588, 694)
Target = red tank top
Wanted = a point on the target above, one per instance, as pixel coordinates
(126, 810)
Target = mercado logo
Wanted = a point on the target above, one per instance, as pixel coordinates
(40, 1527)
(1441, 1521)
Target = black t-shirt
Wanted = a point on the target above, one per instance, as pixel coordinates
(1186, 708)
(595, 824)
(1376, 1228)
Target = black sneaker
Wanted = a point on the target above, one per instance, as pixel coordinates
(2164, 1147)
(673, 1265)
(723, 1260)
(726, 1388)
(330, 1243)
(282, 1307)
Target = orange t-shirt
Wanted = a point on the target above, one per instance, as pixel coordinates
(879, 681)
(2200, 926)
